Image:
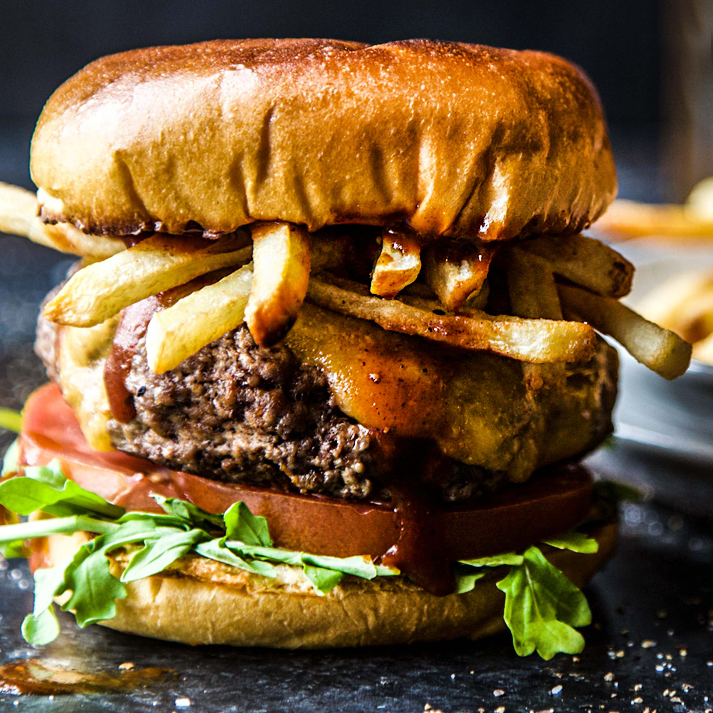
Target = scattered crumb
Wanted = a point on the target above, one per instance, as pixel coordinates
(659, 668)
(648, 644)
(182, 703)
(126, 666)
(500, 709)
(498, 692)
(638, 687)
(687, 687)
(556, 691)
(609, 677)
(683, 653)
(637, 701)
(575, 659)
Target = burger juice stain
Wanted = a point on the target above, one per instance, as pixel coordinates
(44, 678)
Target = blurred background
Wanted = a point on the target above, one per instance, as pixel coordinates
(651, 62)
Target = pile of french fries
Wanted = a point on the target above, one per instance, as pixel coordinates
(551, 295)
(684, 304)
(694, 219)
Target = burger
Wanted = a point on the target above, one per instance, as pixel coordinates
(328, 360)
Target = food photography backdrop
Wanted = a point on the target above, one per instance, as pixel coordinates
(651, 646)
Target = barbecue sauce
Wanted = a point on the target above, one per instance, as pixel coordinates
(132, 327)
(41, 678)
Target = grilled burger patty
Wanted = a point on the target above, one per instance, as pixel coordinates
(239, 413)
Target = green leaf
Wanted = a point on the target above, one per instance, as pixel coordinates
(509, 558)
(323, 580)
(466, 578)
(356, 566)
(189, 512)
(54, 526)
(94, 588)
(574, 541)
(45, 488)
(10, 420)
(216, 550)
(11, 461)
(40, 629)
(241, 524)
(542, 607)
(158, 519)
(159, 553)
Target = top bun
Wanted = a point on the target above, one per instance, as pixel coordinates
(453, 139)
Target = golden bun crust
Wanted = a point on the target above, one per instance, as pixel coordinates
(203, 602)
(452, 138)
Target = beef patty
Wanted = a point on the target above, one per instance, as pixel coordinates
(239, 413)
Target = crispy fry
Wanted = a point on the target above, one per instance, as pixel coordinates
(398, 264)
(627, 219)
(178, 332)
(703, 350)
(456, 270)
(659, 349)
(683, 304)
(158, 263)
(527, 340)
(281, 254)
(586, 262)
(18, 216)
(533, 294)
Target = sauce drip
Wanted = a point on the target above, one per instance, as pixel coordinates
(132, 327)
(42, 678)
(419, 551)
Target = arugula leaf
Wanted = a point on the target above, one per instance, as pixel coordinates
(189, 512)
(41, 627)
(10, 462)
(541, 608)
(216, 550)
(94, 588)
(158, 519)
(357, 566)
(495, 560)
(157, 554)
(241, 524)
(54, 526)
(466, 578)
(574, 541)
(323, 580)
(10, 420)
(45, 488)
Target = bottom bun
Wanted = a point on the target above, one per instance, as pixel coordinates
(199, 601)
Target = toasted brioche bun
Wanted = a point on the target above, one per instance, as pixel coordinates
(454, 139)
(199, 601)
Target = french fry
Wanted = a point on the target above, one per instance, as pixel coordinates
(18, 216)
(456, 270)
(683, 304)
(398, 264)
(179, 331)
(659, 349)
(703, 350)
(535, 340)
(281, 256)
(533, 294)
(628, 219)
(102, 289)
(586, 262)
